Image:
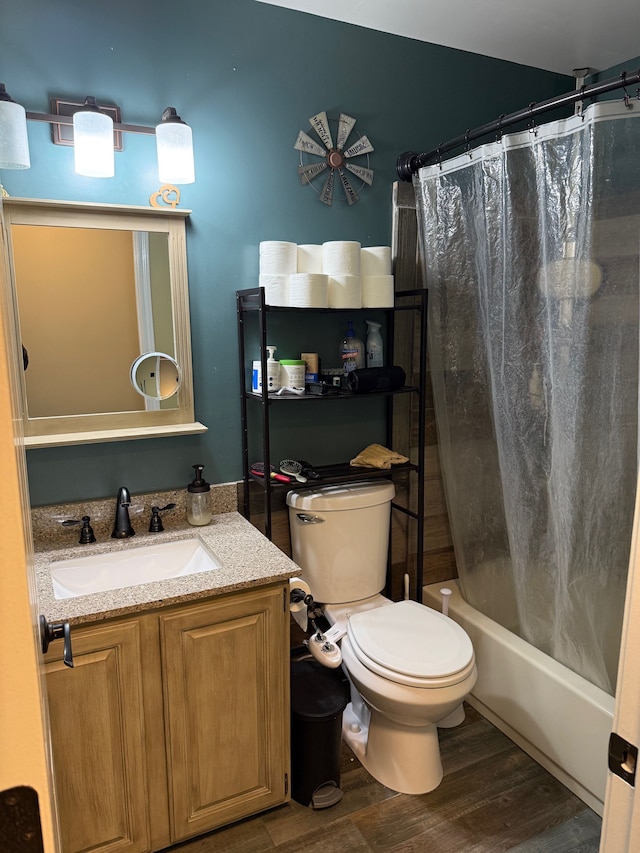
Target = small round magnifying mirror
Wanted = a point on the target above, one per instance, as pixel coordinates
(156, 375)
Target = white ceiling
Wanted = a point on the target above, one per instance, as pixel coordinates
(556, 35)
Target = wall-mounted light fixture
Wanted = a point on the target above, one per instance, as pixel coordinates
(14, 147)
(93, 137)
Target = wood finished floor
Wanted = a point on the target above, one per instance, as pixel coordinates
(493, 798)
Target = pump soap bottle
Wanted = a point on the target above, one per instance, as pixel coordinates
(351, 351)
(198, 499)
(273, 371)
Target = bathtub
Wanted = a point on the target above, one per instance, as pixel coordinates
(557, 717)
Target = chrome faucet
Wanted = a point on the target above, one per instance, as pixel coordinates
(122, 528)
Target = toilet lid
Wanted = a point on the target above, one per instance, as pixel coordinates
(412, 640)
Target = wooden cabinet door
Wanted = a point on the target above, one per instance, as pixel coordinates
(226, 708)
(97, 731)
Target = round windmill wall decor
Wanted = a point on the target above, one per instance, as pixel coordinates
(338, 157)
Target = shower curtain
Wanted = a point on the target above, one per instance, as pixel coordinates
(531, 253)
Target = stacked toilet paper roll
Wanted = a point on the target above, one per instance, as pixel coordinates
(377, 281)
(377, 291)
(341, 262)
(375, 260)
(345, 291)
(341, 257)
(276, 288)
(310, 258)
(298, 609)
(278, 257)
(308, 290)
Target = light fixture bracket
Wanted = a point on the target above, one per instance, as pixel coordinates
(62, 134)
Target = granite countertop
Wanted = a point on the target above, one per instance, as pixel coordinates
(248, 559)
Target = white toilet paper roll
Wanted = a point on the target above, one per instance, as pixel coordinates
(308, 290)
(375, 260)
(299, 608)
(278, 257)
(345, 291)
(276, 289)
(377, 291)
(310, 258)
(341, 257)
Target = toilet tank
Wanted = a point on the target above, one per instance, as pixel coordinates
(340, 538)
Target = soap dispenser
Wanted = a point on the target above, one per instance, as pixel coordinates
(351, 351)
(273, 371)
(198, 499)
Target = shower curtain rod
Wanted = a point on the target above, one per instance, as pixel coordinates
(410, 162)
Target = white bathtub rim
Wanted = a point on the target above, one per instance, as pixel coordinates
(563, 675)
(589, 779)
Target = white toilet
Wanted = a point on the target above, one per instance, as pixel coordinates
(409, 666)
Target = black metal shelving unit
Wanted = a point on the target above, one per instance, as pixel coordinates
(252, 302)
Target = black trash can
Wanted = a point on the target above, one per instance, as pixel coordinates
(318, 697)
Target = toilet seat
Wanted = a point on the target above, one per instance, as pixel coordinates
(411, 644)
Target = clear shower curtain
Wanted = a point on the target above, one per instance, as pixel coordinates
(531, 250)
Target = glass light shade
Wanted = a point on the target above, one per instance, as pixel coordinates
(93, 144)
(14, 146)
(174, 142)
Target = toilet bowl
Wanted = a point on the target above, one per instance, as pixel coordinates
(409, 667)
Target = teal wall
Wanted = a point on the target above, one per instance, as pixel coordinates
(246, 76)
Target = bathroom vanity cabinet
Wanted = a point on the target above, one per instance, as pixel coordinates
(406, 325)
(171, 723)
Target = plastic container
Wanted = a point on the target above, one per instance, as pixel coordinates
(292, 372)
(312, 364)
(351, 351)
(256, 377)
(318, 698)
(375, 347)
(198, 499)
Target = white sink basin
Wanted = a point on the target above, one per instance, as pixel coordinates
(130, 567)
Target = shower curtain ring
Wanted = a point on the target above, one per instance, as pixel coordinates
(439, 156)
(499, 127)
(625, 98)
(467, 144)
(532, 123)
(581, 102)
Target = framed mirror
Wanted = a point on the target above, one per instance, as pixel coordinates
(101, 299)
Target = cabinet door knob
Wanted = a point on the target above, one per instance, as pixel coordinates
(50, 631)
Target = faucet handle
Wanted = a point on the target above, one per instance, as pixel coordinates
(156, 525)
(86, 534)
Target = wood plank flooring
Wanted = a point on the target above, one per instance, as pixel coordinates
(493, 798)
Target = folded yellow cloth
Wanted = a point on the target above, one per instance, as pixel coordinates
(377, 456)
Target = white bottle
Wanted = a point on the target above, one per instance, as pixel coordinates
(273, 371)
(374, 345)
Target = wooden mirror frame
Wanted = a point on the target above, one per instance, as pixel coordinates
(113, 426)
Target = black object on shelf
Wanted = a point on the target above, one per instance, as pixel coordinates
(369, 379)
(318, 697)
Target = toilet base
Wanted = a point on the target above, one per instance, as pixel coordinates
(405, 759)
